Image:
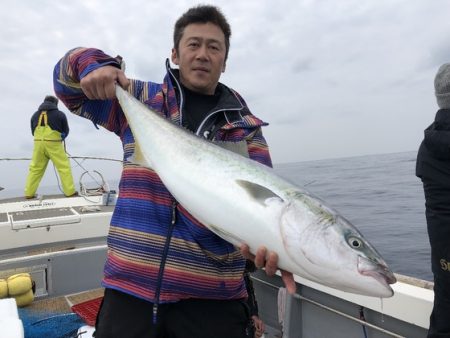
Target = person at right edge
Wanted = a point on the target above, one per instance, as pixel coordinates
(433, 168)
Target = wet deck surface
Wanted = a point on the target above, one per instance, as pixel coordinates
(39, 214)
(63, 304)
(23, 199)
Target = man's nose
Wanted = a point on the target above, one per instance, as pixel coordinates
(202, 53)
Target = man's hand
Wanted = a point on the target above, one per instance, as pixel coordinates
(259, 326)
(269, 260)
(100, 83)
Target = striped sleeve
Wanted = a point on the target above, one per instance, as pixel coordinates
(67, 74)
(258, 149)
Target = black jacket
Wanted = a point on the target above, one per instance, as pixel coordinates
(433, 167)
(56, 119)
(433, 159)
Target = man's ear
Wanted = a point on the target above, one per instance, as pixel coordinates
(174, 56)
(224, 66)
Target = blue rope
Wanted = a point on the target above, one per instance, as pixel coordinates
(62, 325)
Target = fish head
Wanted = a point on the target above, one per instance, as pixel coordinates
(330, 250)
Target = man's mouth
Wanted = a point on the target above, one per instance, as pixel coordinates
(201, 69)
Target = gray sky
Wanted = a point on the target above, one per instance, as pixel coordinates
(333, 78)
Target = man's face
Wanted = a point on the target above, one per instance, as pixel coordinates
(200, 57)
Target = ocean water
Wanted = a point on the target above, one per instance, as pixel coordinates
(381, 196)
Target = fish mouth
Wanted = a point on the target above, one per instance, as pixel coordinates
(379, 271)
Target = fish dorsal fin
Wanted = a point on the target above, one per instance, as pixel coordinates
(138, 157)
(258, 192)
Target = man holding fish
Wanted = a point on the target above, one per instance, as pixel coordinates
(186, 203)
(166, 274)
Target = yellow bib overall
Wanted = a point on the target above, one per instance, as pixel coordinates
(48, 146)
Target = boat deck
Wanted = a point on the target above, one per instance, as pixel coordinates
(42, 223)
(63, 304)
(21, 198)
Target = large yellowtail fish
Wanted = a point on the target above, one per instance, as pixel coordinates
(243, 201)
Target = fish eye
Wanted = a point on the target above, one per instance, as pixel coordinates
(354, 242)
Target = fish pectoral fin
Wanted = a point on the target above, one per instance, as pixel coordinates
(138, 157)
(258, 192)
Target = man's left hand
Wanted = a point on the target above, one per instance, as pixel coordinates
(269, 260)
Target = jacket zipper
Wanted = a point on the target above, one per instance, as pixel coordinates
(215, 112)
(207, 136)
(163, 260)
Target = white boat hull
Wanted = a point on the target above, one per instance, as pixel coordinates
(65, 254)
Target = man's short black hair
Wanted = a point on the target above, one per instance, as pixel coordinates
(202, 14)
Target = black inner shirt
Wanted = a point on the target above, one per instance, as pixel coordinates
(197, 106)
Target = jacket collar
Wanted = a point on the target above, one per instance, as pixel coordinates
(228, 100)
(231, 105)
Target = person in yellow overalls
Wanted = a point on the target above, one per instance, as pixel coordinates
(49, 127)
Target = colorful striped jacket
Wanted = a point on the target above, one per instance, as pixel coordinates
(156, 250)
